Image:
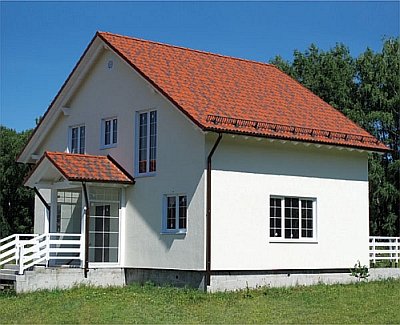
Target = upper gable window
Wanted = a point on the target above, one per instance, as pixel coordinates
(146, 142)
(77, 135)
(109, 133)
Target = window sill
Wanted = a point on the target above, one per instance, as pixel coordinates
(293, 241)
(173, 232)
(108, 146)
(145, 174)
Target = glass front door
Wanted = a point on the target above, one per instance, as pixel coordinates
(104, 225)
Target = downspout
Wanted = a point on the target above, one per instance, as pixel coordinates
(208, 211)
(87, 219)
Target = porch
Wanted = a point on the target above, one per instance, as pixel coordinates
(79, 210)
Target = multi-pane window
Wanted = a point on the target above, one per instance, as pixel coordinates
(109, 132)
(147, 142)
(292, 218)
(175, 213)
(77, 139)
(104, 225)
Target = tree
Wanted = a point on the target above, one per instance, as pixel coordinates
(367, 90)
(16, 201)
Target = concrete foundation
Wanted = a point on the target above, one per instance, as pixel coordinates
(177, 278)
(42, 278)
(230, 281)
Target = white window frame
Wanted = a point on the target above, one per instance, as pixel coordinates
(176, 230)
(112, 144)
(301, 239)
(79, 126)
(121, 217)
(137, 133)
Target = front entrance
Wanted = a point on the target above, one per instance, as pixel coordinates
(104, 224)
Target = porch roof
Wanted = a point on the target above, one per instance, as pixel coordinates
(79, 167)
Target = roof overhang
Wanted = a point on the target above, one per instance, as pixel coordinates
(57, 170)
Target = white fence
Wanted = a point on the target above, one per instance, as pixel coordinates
(40, 249)
(384, 249)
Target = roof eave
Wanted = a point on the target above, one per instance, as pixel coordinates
(285, 138)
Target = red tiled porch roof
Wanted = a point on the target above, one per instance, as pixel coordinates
(78, 167)
(226, 94)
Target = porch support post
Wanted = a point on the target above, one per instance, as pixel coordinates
(42, 199)
(87, 219)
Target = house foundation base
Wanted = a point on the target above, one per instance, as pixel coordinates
(41, 278)
(177, 278)
(237, 280)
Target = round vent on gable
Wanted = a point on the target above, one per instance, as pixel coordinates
(110, 64)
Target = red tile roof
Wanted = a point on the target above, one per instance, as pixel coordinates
(77, 167)
(226, 94)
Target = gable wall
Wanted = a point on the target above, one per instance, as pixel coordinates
(120, 92)
(247, 172)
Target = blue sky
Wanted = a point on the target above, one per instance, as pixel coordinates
(42, 41)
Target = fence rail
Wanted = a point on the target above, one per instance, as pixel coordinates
(384, 249)
(40, 249)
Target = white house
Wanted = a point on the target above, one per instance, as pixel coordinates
(182, 166)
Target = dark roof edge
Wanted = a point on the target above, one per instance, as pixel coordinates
(56, 97)
(277, 137)
(195, 121)
(122, 169)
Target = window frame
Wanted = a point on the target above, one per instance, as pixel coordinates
(70, 133)
(137, 172)
(301, 239)
(177, 229)
(112, 144)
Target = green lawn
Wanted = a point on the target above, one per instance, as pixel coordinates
(374, 302)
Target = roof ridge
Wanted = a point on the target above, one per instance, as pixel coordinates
(190, 49)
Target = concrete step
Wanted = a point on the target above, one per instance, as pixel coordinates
(7, 276)
(11, 267)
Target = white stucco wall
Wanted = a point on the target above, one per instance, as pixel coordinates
(247, 172)
(39, 222)
(120, 92)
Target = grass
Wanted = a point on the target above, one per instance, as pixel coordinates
(374, 302)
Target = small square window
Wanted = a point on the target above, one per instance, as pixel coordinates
(175, 214)
(109, 133)
(76, 141)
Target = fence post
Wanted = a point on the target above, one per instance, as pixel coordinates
(16, 249)
(21, 259)
(47, 249)
(373, 251)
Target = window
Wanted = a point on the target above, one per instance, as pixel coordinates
(175, 213)
(77, 139)
(109, 132)
(292, 218)
(104, 225)
(146, 142)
